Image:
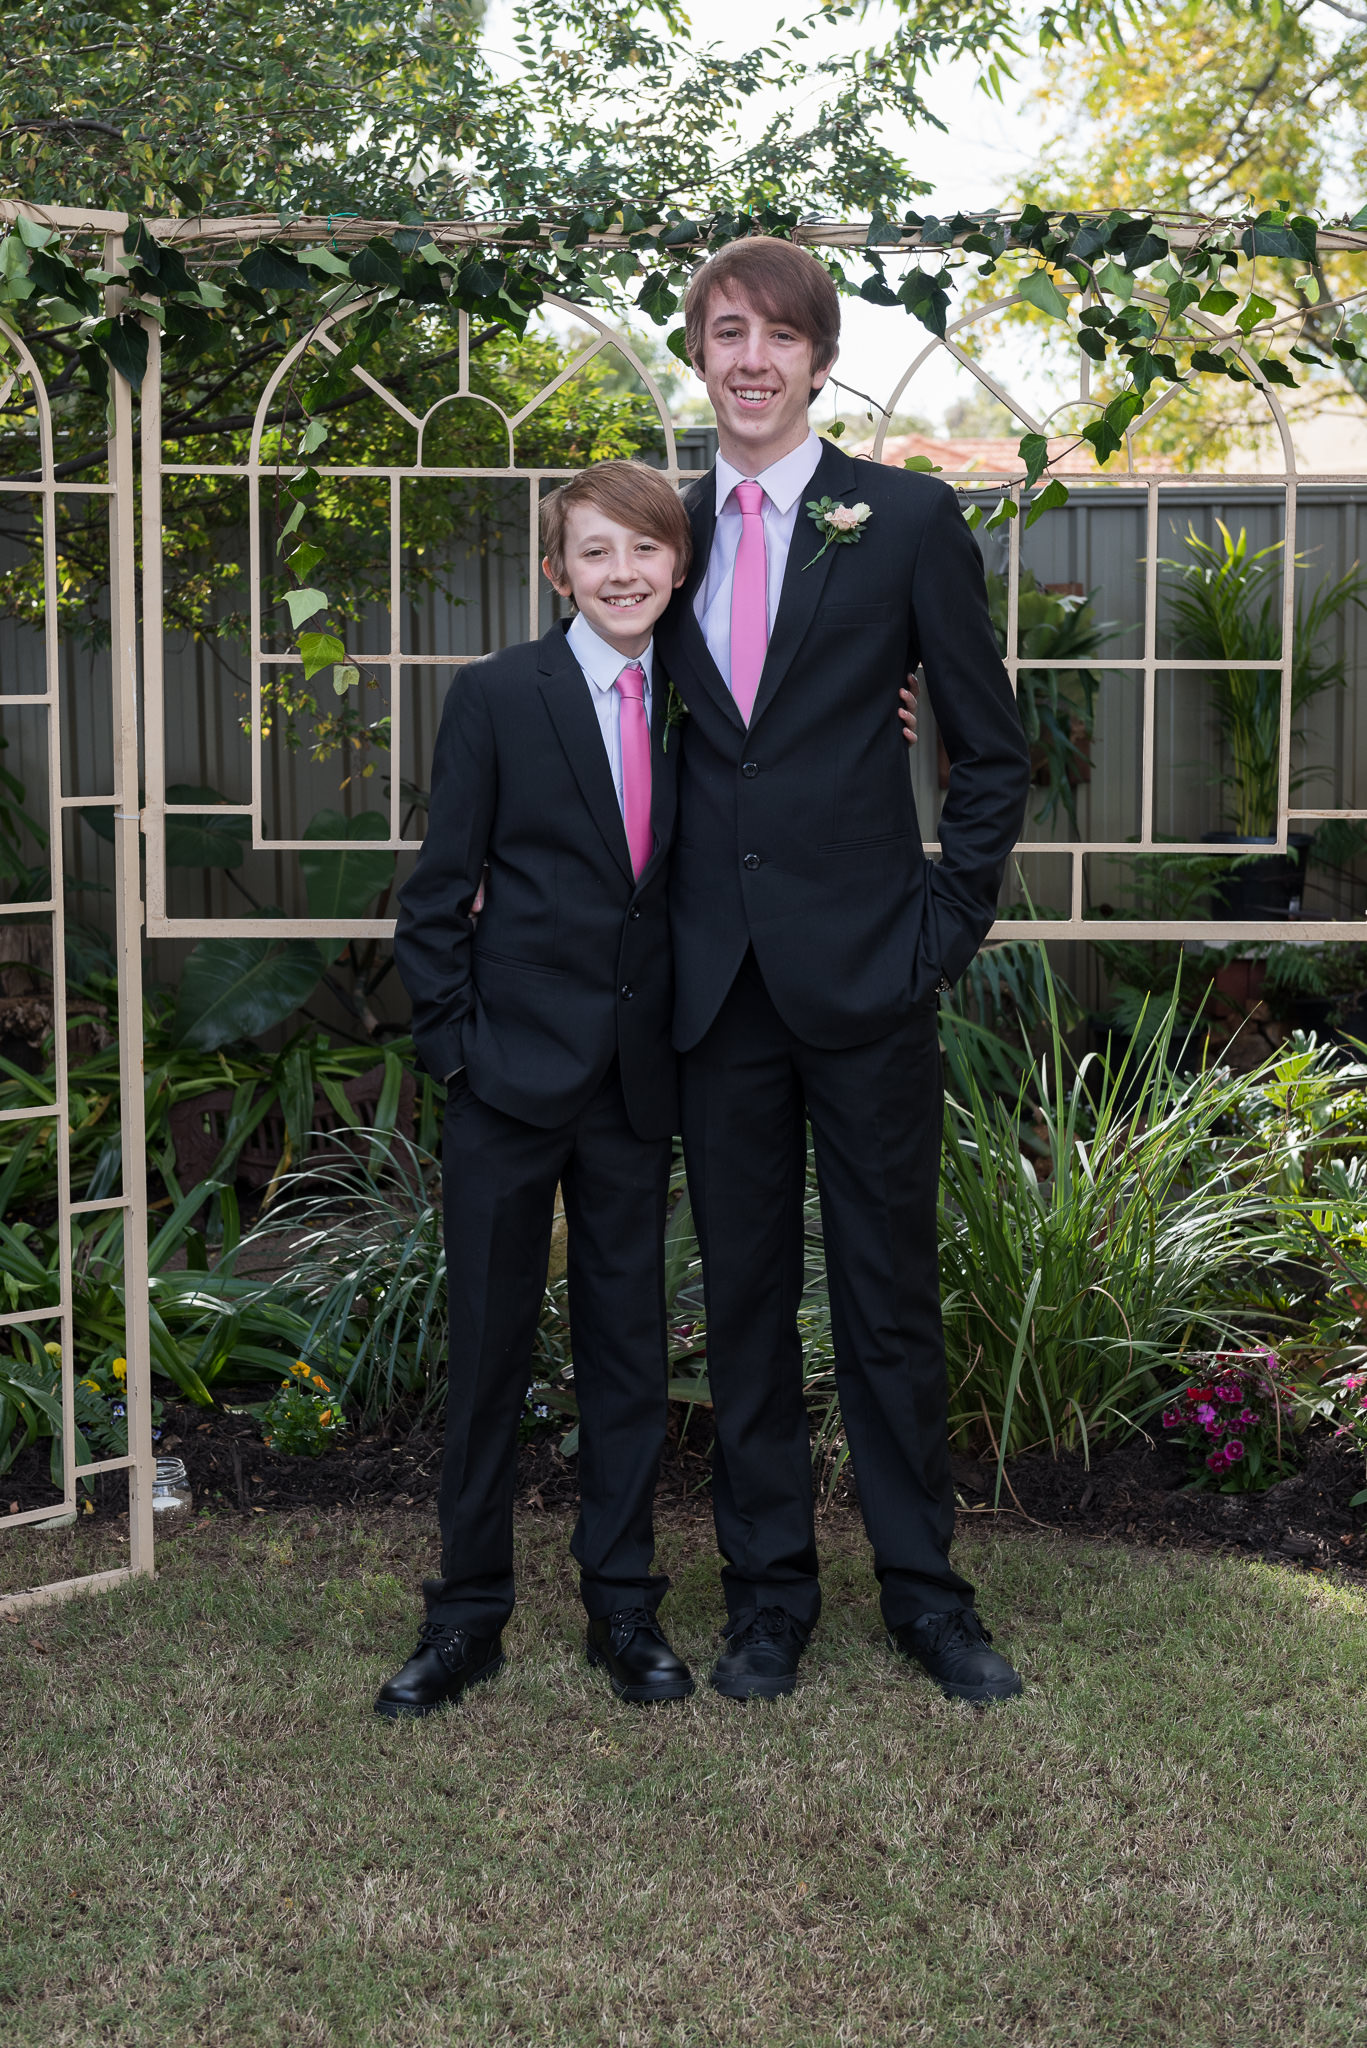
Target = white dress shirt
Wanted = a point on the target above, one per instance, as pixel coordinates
(784, 484)
(602, 665)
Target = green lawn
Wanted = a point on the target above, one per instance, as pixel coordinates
(208, 1838)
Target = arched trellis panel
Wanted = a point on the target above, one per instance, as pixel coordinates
(142, 696)
(50, 1323)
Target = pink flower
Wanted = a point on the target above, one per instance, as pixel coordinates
(1205, 1413)
(1217, 1461)
(1214, 1427)
(1234, 1450)
(1227, 1392)
(1171, 1419)
(1247, 1418)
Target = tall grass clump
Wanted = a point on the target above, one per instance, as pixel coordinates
(366, 1274)
(1067, 1284)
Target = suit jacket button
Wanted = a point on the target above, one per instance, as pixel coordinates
(749, 769)
(627, 991)
(635, 910)
(752, 860)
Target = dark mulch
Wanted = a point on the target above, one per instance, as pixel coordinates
(1137, 1493)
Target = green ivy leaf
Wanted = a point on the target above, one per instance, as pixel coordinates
(304, 559)
(1117, 282)
(1104, 439)
(875, 290)
(271, 268)
(305, 604)
(1219, 300)
(1181, 295)
(1092, 344)
(345, 678)
(1255, 310)
(1054, 495)
(320, 650)
(1277, 373)
(1039, 290)
(1217, 366)
(1033, 450)
(377, 263)
(923, 464)
(125, 344)
(314, 435)
(676, 341)
(656, 299)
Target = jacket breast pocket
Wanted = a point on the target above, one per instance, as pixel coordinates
(865, 845)
(484, 957)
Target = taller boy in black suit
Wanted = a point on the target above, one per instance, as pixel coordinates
(811, 935)
(549, 1019)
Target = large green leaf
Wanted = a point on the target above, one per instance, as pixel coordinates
(345, 884)
(206, 842)
(239, 988)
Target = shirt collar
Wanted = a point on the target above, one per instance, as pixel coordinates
(783, 482)
(603, 664)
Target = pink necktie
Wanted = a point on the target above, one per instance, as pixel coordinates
(749, 600)
(630, 687)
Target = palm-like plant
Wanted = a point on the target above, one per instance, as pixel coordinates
(1226, 605)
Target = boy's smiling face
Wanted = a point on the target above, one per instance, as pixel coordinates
(621, 580)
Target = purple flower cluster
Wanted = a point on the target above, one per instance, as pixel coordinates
(1223, 1417)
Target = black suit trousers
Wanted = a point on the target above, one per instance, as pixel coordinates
(876, 1112)
(499, 1181)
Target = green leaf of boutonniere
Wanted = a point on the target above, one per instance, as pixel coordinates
(836, 523)
(676, 711)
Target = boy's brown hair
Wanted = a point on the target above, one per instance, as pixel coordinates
(781, 282)
(628, 493)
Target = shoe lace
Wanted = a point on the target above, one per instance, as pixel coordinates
(447, 1640)
(959, 1628)
(766, 1625)
(629, 1621)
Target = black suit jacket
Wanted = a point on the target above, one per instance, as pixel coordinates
(799, 836)
(568, 963)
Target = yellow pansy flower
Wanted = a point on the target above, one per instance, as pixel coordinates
(120, 1368)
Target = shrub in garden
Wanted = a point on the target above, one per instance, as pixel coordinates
(304, 1418)
(1069, 1284)
(1235, 1421)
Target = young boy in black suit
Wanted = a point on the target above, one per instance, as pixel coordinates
(548, 1015)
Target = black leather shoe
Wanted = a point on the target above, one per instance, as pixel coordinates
(446, 1661)
(640, 1665)
(953, 1648)
(761, 1655)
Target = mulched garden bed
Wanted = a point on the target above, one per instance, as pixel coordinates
(1136, 1493)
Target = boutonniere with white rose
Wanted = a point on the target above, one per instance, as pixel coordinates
(835, 522)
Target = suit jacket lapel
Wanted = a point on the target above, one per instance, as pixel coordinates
(693, 650)
(835, 476)
(567, 699)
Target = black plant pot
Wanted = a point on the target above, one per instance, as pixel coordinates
(1271, 887)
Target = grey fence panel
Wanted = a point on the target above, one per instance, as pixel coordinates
(1096, 542)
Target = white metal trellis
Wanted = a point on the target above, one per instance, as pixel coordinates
(395, 658)
(57, 1316)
